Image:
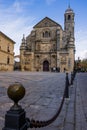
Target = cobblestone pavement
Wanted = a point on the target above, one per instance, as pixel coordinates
(44, 93)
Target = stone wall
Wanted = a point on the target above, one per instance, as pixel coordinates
(6, 53)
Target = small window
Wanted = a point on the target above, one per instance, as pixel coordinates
(43, 34)
(8, 60)
(8, 50)
(46, 34)
(65, 18)
(69, 17)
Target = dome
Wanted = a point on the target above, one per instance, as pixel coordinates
(69, 10)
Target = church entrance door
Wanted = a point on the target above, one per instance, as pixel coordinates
(45, 65)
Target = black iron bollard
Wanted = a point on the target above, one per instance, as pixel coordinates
(15, 118)
(67, 86)
(72, 78)
(74, 74)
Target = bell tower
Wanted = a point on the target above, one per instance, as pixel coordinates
(69, 22)
(69, 36)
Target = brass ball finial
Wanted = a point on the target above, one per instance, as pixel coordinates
(16, 92)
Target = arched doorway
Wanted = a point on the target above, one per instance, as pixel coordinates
(45, 65)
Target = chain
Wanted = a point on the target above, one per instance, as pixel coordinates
(37, 124)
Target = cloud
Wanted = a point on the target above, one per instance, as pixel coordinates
(83, 54)
(17, 6)
(81, 44)
(14, 23)
(50, 1)
(16, 28)
(23, 4)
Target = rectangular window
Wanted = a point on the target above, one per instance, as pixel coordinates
(8, 60)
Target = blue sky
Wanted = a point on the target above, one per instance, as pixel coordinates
(17, 17)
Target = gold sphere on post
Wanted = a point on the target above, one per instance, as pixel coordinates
(16, 92)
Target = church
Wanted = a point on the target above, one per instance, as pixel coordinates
(49, 47)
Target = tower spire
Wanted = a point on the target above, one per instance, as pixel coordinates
(69, 4)
(23, 40)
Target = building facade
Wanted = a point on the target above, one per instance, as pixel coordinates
(6, 53)
(48, 47)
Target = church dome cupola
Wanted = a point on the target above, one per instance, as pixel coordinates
(69, 10)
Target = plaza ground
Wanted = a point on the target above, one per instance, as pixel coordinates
(44, 92)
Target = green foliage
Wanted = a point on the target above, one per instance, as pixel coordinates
(81, 65)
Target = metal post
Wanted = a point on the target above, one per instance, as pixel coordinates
(71, 78)
(74, 74)
(15, 118)
(67, 86)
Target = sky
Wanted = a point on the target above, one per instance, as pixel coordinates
(17, 17)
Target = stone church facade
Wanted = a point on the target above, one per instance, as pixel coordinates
(48, 47)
